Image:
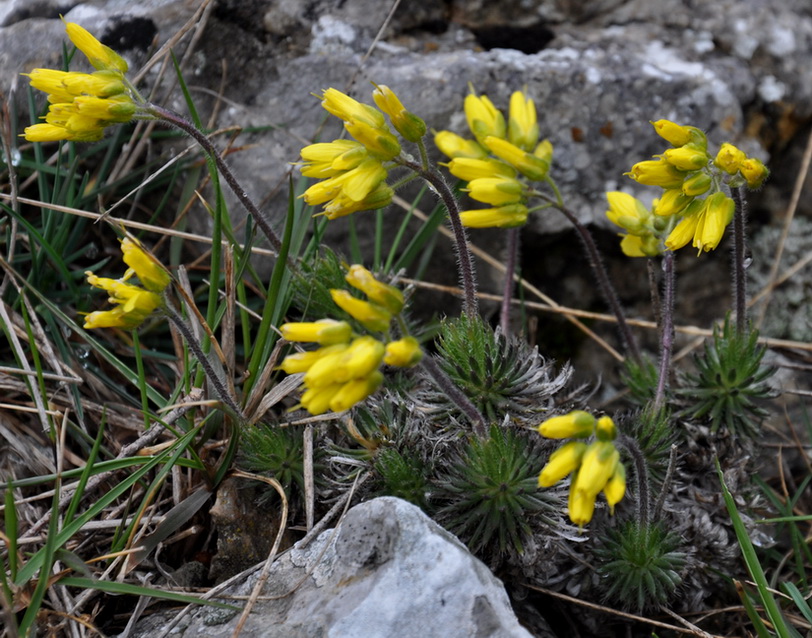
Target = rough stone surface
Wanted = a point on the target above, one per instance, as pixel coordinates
(389, 570)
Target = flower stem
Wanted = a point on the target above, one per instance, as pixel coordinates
(666, 328)
(739, 257)
(178, 121)
(465, 262)
(599, 270)
(510, 269)
(641, 474)
(197, 350)
(456, 395)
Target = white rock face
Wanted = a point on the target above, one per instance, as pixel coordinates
(388, 570)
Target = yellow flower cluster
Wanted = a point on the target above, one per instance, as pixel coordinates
(354, 171)
(595, 466)
(133, 303)
(686, 172)
(495, 161)
(345, 369)
(81, 105)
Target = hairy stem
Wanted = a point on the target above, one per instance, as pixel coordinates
(510, 269)
(197, 350)
(465, 261)
(456, 395)
(666, 328)
(599, 270)
(178, 121)
(669, 476)
(641, 474)
(739, 257)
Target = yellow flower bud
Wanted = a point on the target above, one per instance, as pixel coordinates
(303, 361)
(627, 212)
(527, 164)
(507, 216)
(378, 141)
(468, 168)
(372, 316)
(403, 353)
(656, 173)
(597, 466)
(672, 133)
(682, 233)
(640, 245)
(671, 202)
(697, 184)
(544, 151)
(605, 429)
(754, 172)
(100, 56)
(406, 123)
(686, 158)
(324, 331)
(496, 191)
(615, 489)
(380, 293)
(561, 463)
(328, 159)
(729, 158)
(577, 424)
(355, 391)
(317, 400)
(341, 205)
(717, 214)
(581, 506)
(346, 108)
(483, 117)
(149, 270)
(453, 146)
(523, 128)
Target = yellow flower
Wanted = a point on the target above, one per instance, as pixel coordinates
(496, 191)
(341, 205)
(355, 391)
(671, 202)
(453, 146)
(370, 315)
(303, 361)
(54, 133)
(317, 400)
(324, 331)
(672, 133)
(99, 55)
(523, 128)
(378, 141)
(686, 158)
(729, 158)
(544, 151)
(406, 123)
(628, 212)
(562, 462)
(63, 86)
(363, 356)
(580, 505)
(597, 466)
(605, 429)
(403, 353)
(346, 108)
(382, 294)
(578, 424)
(356, 184)
(469, 168)
(483, 117)
(615, 489)
(697, 184)
(149, 270)
(328, 159)
(656, 173)
(507, 216)
(754, 172)
(134, 304)
(527, 164)
(714, 218)
(640, 246)
(682, 233)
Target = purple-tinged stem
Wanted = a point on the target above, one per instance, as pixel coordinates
(666, 328)
(510, 269)
(739, 257)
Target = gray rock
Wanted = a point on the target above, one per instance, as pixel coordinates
(388, 571)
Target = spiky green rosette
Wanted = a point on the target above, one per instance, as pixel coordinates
(489, 493)
(276, 452)
(729, 381)
(653, 432)
(500, 375)
(640, 565)
(640, 377)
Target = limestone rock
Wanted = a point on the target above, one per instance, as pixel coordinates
(388, 570)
